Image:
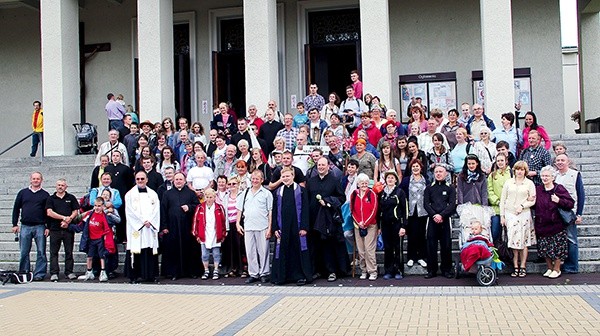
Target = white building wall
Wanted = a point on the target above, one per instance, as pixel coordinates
(438, 36)
(570, 87)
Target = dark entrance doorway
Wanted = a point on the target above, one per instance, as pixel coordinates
(181, 43)
(333, 49)
(229, 83)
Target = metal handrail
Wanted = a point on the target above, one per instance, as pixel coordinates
(19, 142)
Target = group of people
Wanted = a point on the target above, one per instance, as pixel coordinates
(322, 184)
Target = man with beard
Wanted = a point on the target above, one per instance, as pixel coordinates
(325, 195)
(180, 253)
(291, 261)
(143, 222)
(122, 180)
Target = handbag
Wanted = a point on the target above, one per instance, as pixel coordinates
(242, 217)
(504, 252)
(568, 216)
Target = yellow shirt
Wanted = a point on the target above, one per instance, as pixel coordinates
(37, 121)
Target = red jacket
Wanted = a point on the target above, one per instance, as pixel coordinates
(364, 209)
(372, 132)
(199, 226)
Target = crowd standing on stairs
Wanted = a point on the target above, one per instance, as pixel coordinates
(269, 177)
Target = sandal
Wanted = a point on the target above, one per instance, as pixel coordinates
(516, 272)
(522, 273)
(205, 275)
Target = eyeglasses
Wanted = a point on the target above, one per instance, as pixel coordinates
(140, 178)
(231, 184)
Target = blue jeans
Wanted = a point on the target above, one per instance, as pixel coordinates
(29, 232)
(115, 124)
(36, 138)
(571, 264)
(496, 228)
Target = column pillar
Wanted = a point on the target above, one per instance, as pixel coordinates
(155, 50)
(260, 52)
(589, 49)
(497, 52)
(59, 26)
(375, 49)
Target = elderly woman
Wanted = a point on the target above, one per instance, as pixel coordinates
(460, 150)
(336, 128)
(362, 134)
(363, 205)
(233, 246)
(549, 227)
(414, 185)
(392, 217)
(366, 160)
(485, 149)
(518, 195)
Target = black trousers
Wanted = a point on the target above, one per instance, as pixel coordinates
(335, 256)
(415, 230)
(391, 246)
(67, 239)
(439, 233)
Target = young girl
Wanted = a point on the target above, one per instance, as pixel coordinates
(439, 155)
(496, 180)
(401, 152)
(197, 133)
(168, 161)
(386, 162)
(210, 230)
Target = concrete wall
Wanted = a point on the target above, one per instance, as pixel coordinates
(571, 87)
(435, 37)
(20, 75)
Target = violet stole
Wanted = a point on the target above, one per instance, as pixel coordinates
(298, 199)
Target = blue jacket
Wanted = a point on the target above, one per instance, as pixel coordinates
(489, 122)
(115, 199)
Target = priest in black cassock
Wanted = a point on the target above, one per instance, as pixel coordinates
(326, 197)
(291, 260)
(180, 252)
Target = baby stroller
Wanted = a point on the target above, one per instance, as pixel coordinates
(477, 253)
(86, 136)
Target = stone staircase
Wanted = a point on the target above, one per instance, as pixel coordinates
(14, 175)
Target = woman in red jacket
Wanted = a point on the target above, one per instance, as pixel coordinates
(210, 230)
(363, 205)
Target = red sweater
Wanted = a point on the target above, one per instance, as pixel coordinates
(372, 132)
(199, 227)
(364, 209)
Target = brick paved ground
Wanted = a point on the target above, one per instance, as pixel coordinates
(122, 309)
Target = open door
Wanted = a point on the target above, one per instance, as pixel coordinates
(329, 66)
(229, 84)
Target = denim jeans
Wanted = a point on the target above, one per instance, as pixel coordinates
(29, 232)
(496, 228)
(36, 138)
(571, 264)
(115, 124)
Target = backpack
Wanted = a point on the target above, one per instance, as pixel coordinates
(15, 277)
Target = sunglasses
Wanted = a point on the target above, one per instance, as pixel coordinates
(140, 178)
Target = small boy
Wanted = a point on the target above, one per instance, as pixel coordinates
(95, 232)
(301, 118)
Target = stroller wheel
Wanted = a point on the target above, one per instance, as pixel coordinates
(486, 276)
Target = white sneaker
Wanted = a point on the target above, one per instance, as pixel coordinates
(410, 263)
(373, 277)
(89, 275)
(72, 276)
(103, 277)
(422, 263)
(363, 276)
(548, 272)
(54, 278)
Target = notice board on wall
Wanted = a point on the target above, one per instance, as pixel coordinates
(522, 85)
(437, 90)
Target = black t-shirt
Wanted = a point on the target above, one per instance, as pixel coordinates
(62, 206)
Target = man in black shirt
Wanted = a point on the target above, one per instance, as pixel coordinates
(439, 201)
(30, 205)
(268, 130)
(61, 209)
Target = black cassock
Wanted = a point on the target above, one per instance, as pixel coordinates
(180, 251)
(291, 260)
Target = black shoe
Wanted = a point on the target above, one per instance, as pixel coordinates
(430, 275)
(264, 279)
(156, 280)
(31, 154)
(316, 276)
(251, 280)
(301, 282)
(174, 278)
(112, 275)
(448, 275)
(38, 279)
(195, 276)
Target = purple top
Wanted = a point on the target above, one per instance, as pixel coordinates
(547, 219)
(114, 110)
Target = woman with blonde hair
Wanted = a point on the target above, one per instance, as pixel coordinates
(518, 196)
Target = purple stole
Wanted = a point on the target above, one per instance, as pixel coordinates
(298, 199)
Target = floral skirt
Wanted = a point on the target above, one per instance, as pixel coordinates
(553, 247)
(520, 231)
